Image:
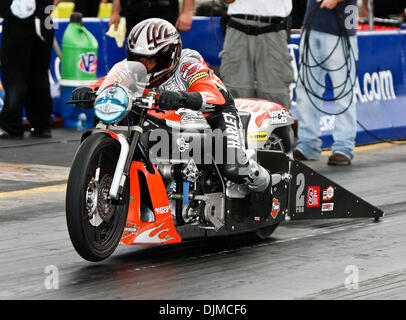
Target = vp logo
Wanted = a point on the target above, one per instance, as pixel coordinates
(88, 63)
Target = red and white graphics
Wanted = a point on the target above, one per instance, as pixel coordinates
(88, 62)
(161, 229)
(327, 206)
(313, 196)
(328, 193)
(276, 207)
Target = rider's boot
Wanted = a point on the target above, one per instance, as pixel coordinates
(261, 182)
(259, 178)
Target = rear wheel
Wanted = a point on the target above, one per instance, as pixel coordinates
(95, 221)
(279, 140)
(264, 233)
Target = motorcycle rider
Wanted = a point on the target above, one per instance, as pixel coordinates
(183, 80)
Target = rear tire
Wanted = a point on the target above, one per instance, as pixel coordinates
(279, 140)
(265, 232)
(95, 222)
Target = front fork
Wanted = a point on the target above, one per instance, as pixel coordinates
(126, 155)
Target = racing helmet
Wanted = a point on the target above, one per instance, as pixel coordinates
(155, 38)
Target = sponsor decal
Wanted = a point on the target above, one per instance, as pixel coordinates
(198, 76)
(258, 136)
(117, 77)
(275, 116)
(313, 197)
(233, 134)
(328, 193)
(278, 116)
(275, 208)
(189, 69)
(188, 115)
(130, 229)
(88, 63)
(162, 210)
(327, 206)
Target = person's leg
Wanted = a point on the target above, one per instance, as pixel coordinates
(233, 162)
(310, 78)
(81, 7)
(274, 72)
(39, 102)
(136, 12)
(131, 20)
(168, 12)
(15, 59)
(345, 124)
(237, 69)
(94, 8)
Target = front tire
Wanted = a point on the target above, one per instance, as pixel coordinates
(95, 222)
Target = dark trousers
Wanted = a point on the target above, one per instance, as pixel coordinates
(89, 8)
(136, 11)
(25, 60)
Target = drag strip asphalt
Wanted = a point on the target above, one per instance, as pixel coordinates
(301, 260)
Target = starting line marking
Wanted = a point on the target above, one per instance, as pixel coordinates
(55, 188)
(32, 172)
(373, 146)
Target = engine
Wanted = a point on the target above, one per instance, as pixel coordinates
(195, 193)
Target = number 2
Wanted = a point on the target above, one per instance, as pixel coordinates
(300, 182)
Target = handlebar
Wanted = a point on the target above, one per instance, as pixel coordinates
(78, 101)
(147, 102)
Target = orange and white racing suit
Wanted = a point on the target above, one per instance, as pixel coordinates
(205, 92)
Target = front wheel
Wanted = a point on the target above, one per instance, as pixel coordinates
(95, 221)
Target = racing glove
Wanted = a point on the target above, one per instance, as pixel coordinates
(85, 97)
(172, 100)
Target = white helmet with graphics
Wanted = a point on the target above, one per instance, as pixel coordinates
(159, 39)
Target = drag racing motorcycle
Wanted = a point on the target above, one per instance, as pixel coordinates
(148, 176)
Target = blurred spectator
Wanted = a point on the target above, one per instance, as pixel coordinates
(255, 60)
(211, 8)
(326, 49)
(136, 11)
(215, 9)
(89, 8)
(298, 12)
(383, 9)
(25, 57)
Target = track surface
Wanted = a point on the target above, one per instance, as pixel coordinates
(302, 260)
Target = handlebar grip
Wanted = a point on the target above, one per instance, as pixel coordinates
(78, 101)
